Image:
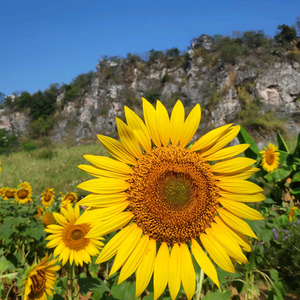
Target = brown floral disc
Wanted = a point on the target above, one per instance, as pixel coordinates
(38, 284)
(22, 194)
(173, 194)
(73, 236)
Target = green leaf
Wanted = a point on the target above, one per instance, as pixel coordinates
(297, 149)
(283, 156)
(244, 137)
(37, 232)
(5, 265)
(277, 175)
(252, 262)
(149, 297)
(217, 296)
(295, 191)
(87, 284)
(125, 290)
(281, 143)
(269, 201)
(99, 291)
(5, 231)
(296, 177)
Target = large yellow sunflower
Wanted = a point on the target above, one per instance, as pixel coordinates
(40, 279)
(270, 158)
(48, 197)
(23, 193)
(169, 201)
(8, 193)
(69, 239)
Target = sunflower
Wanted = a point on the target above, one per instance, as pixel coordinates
(292, 212)
(23, 193)
(40, 279)
(68, 198)
(8, 193)
(270, 158)
(0, 167)
(48, 219)
(69, 239)
(174, 199)
(48, 197)
(39, 211)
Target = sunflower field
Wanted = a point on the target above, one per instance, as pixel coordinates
(164, 216)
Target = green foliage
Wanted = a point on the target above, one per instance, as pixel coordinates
(154, 55)
(286, 34)
(172, 52)
(133, 58)
(254, 39)
(44, 154)
(166, 78)
(152, 96)
(40, 127)
(230, 52)
(8, 142)
(29, 146)
(2, 100)
(245, 138)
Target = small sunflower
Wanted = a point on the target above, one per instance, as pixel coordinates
(68, 198)
(270, 158)
(8, 193)
(48, 219)
(40, 279)
(0, 167)
(39, 212)
(175, 199)
(23, 193)
(48, 197)
(69, 239)
(292, 212)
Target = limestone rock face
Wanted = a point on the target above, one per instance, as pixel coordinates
(216, 89)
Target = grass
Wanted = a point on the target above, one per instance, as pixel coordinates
(60, 172)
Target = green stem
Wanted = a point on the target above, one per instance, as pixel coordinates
(199, 287)
(71, 278)
(75, 284)
(6, 298)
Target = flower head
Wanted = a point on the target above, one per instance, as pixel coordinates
(170, 200)
(69, 239)
(68, 198)
(292, 212)
(8, 193)
(39, 212)
(40, 279)
(270, 158)
(48, 197)
(48, 219)
(23, 193)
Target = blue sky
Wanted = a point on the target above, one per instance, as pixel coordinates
(44, 42)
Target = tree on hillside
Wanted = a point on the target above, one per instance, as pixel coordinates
(287, 33)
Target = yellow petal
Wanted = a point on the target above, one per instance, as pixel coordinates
(239, 186)
(162, 123)
(190, 126)
(134, 259)
(230, 245)
(126, 248)
(225, 228)
(227, 152)
(108, 226)
(117, 150)
(210, 138)
(232, 165)
(241, 210)
(187, 271)
(145, 270)
(97, 172)
(217, 252)
(100, 214)
(222, 141)
(139, 128)
(150, 120)
(108, 164)
(204, 262)
(60, 218)
(174, 271)
(235, 222)
(103, 200)
(113, 245)
(104, 185)
(176, 123)
(161, 270)
(243, 174)
(243, 198)
(128, 139)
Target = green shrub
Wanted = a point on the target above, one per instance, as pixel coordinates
(29, 146)
(287, 33)
(230, 52)
(44, 154)
(153, 55)
(166, 78)
(151, 96)
(173, 52)
(254, 39)
(40, 127)
(133, 58)
(8, 142)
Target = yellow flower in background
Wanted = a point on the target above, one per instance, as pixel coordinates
(0, 167)
(8, 193)
(68, 198)
(40, 279)
(48, 197)
(292, 213)
(24, 193)
(270, 158)
(48, 219)
(39, 211)
(69, 239)
(169, 200)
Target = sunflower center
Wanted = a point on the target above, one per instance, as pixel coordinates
(9, 194)
(38, 284)
(22, 194)
(173, 194)
(48, 196)
(71, 198)
(76, 235)
(270, 158)
(73, 236)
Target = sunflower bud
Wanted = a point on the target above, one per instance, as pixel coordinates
(48, 219)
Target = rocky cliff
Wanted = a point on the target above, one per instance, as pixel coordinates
(251, 91)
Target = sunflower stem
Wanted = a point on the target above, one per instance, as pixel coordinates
(76, 292)
(71, 278)
(199, 287)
